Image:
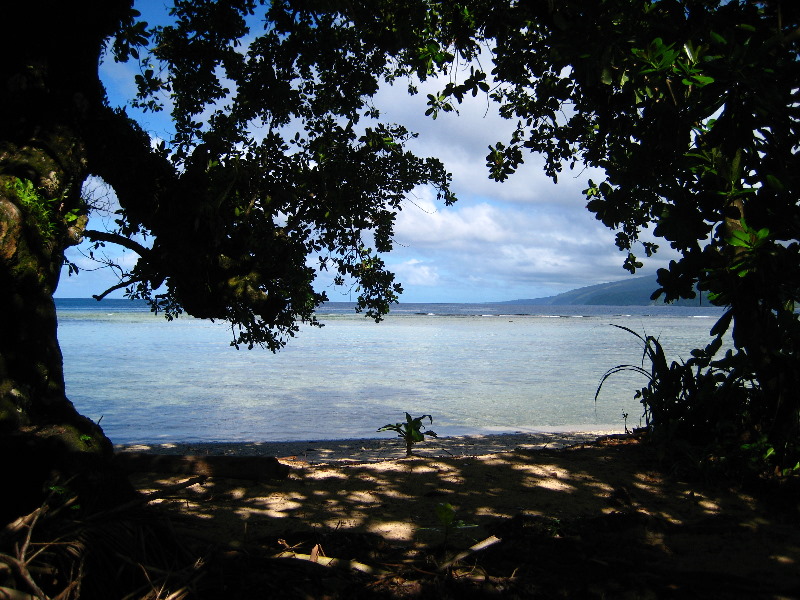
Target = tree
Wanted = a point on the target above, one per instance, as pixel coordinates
(690, 107)
(278, 160)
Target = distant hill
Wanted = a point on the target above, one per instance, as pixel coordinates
(627, 292)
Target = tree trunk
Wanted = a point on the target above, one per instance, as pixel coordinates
(48, 89)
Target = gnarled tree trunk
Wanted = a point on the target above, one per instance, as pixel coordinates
(49, 89)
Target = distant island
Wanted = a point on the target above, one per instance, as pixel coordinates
(627, 292)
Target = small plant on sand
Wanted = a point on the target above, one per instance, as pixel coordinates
(412, 431)
(446, 514)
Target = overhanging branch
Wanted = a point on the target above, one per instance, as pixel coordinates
(114, 238)
(120, 285)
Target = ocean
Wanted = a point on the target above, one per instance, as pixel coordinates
(476, 368)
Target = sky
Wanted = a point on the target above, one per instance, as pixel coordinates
(524, 238)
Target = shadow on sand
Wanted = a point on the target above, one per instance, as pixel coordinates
(595, 520)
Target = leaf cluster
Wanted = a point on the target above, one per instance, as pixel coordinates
(279, 168)
(46, 214)
(412, 431)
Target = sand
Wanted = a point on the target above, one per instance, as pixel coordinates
(597, 503)
(374, 449)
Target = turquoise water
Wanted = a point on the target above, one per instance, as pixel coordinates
(475, 368)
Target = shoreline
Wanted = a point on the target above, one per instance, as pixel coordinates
(373, 449)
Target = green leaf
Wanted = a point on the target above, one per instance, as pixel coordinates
(738, 242)
(446, 513)
(702, 80)
(775, 183)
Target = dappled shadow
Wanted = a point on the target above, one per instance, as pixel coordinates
(603, 506)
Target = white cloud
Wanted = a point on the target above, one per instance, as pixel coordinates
(422, 223)
(417, 273)
(497, 251)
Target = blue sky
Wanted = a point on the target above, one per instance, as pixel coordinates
(524, 238)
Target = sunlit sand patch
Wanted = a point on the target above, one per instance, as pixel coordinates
(495, 460)
(543, 470)
(372, 480)
(754, 523)
(649, 478)
(397, 494)
(393, 530)
(403, 466)
(784, 560)
(278, 510)
(599, 487)
(237, 493)
(251, 515)
(277, 504)
(669, 518)
(646, 487)
(443, 471)
(549, 483)
(450, 476)
(323, 473)
(488, 511)
(749, 501)
(363, 497)
(709, 506)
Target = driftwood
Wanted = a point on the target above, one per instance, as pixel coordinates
(256, 468)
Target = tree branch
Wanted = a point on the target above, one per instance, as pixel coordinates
(115, 238)
(113, 288)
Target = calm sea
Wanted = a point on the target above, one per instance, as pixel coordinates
(477, 368)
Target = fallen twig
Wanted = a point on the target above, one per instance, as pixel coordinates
(326, 561)
(490, 541)
(21, 569)
(7, 593)
(13, 528)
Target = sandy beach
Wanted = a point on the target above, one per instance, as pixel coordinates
(575, 512)
(375, 449)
